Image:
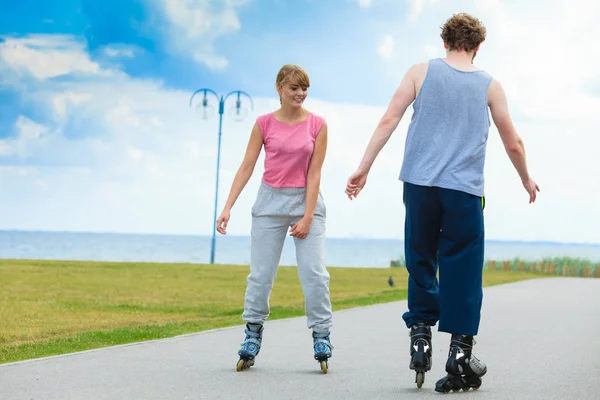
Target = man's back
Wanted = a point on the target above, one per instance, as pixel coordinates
(446, 140)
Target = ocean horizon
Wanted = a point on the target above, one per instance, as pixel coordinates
(188, 248)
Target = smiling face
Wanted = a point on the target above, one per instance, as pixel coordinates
(292, 85)
(293, 94)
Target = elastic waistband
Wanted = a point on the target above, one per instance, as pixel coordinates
(272, 189)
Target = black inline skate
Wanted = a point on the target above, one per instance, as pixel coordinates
(420, 351)
(463, 368)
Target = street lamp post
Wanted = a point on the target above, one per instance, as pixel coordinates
(238, 114)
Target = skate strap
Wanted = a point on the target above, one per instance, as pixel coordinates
(421, 340)
(319, 340)
(462, 345)
(419, 330)
(252, 340)
(252, 334)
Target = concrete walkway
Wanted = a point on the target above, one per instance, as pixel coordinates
(539, 338)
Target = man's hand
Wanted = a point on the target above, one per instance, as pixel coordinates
(301, 229)
(531, 188)
(355, 184)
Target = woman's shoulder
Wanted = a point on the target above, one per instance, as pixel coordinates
(315, 116)
(317, 121)
(263, 122)
(264, 117)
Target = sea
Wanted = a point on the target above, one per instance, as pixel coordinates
(340, 252)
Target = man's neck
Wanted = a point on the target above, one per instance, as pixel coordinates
(460, 57)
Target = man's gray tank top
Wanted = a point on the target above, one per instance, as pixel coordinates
(447, 136)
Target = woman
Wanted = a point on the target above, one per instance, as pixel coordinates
(295, 142)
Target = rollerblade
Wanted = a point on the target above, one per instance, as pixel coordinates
(420, 351)
(322, 346)
(251, 346)
(463, 368)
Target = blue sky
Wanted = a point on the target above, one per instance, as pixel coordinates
(96, 133)
(142, 41)
(274, 32)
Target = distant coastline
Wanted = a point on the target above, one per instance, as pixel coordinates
(235, 249)
(364, 238)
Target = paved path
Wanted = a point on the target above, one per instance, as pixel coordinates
(540, 340)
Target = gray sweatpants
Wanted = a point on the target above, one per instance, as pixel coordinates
(274, 212)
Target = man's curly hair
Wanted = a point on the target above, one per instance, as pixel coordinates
(463, 32)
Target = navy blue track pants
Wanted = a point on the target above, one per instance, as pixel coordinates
(444, 231)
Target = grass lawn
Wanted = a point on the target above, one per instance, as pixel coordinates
(56, 307)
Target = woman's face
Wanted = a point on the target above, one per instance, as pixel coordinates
(293, 94)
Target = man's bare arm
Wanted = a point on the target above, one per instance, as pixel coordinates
(402, 98)
(513, 144)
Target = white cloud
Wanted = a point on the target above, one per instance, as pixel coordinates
(431, 51)
(119, 52)
(47, 56)
(135, 153)
(123, 115)
(30, 135)
(365, 3)
(211, 61)
(61, 102)
(236, 3)
(195, 25)
(542, 86)
(5, 148)
(416, 8)
(386, 47)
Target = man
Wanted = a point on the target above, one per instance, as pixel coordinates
(444, 198)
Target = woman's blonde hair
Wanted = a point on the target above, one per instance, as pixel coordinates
(290, 71)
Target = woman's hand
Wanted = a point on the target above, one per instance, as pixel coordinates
(301, 229)
(222, 222)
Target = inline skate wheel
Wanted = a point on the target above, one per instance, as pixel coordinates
(244, 364)
(420, 379)
(240, 365)
(324, 366)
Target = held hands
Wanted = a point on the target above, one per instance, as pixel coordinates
(222, 222)
(301, 229)
(355, 184)
(531, 188)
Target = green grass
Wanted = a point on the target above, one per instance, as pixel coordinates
(564, 266)
(58, 307)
